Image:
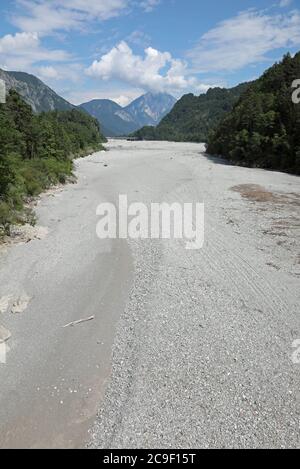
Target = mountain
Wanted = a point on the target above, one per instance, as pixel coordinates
(39, 96)
(263, 129)
(193, 117)
(151, 108)
(115, 120)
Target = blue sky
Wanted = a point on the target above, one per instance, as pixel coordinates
(119, 49)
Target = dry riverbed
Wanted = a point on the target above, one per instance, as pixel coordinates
(202, 340)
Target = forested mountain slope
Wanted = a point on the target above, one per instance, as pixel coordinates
(37, 151)
(263, 129)
(193, 117)
(114, 120)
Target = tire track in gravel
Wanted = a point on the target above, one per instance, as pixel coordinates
(266, 293)
(236, 259)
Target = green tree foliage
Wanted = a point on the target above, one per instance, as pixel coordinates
(193, 117)
(37, 151)
(263, 129)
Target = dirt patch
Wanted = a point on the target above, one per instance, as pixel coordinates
(256, 193)
(277, 215)
(291, 223)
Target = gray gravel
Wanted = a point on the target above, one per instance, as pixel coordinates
(202, 357)
(202, 339)
(54, 377)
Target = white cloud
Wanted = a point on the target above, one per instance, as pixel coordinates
(245, 39)
(285, 3)
(47, 16)
(149, 5)
(100, 9)
(123, 100)
(156, 71)
(48, 72)
(18, 43)
(138, 38)
(71, 72)
(22, 50)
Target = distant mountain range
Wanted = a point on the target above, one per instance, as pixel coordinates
(113, 118)
(116, 120)
(38, 95)
(194, 117)
(151, 108)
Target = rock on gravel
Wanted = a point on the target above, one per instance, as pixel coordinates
(5, 335)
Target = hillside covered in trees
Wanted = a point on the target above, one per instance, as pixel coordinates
(34, 92)
(193, 117)
(37, 151)
(263, 129)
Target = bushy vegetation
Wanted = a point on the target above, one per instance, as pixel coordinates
(193, 117)
(263, 129)
(36, 151)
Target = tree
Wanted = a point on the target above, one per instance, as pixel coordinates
(263, 128)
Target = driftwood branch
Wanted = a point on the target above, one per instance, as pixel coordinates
(75, 323)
